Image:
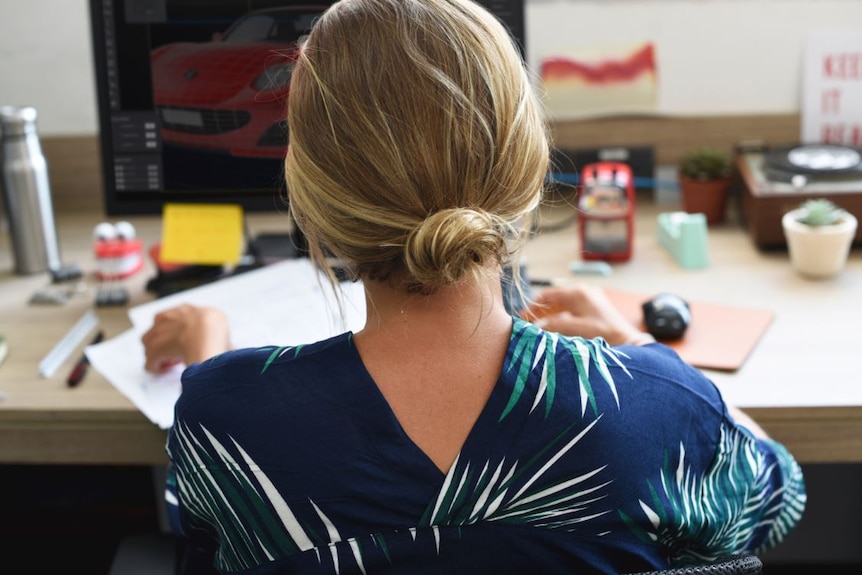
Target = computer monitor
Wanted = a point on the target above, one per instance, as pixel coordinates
(192, 98)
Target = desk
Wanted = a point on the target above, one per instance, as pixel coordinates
(800, 382)
(42, 420)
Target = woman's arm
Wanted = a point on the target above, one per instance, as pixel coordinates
(745, 421)
(185, 334)
(585, 311)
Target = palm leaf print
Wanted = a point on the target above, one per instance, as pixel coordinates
(534, 347)
(698, 509)
(513, 492)
(230, 494)
(520, 492)
(276, 353)
(792, 495)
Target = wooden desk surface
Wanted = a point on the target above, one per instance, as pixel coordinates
(44, 421)
(800, 382)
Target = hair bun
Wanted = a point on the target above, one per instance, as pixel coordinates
(451, 243)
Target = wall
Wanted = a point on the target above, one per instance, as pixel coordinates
(46, 62)
(715, 57)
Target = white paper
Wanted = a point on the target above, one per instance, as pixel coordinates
(121, 360)
(286, 303)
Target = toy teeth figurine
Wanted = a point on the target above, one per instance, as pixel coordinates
(119, 255)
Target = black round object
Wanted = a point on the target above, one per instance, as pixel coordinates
(815, 159)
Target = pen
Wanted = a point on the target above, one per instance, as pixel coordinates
(80, 369)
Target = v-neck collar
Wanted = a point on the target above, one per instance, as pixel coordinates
(389, 428)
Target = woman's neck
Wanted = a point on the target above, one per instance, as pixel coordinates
(436, 358)
(460, 312)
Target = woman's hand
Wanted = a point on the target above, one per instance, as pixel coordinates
(585, 311)
(185, 334)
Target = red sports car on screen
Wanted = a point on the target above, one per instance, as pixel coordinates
(230, 94)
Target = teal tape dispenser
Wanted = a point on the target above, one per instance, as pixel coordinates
(685, 237)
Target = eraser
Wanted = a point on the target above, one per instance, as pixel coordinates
(599, 268)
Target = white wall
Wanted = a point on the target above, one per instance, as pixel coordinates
(46, 62)
(715, 57)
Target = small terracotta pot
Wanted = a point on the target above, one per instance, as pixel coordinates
(705, 197)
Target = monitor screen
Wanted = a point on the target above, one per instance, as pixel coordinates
(192, 98)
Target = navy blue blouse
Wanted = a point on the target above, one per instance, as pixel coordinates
(587, 458)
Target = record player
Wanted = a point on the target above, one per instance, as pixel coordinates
(775, 180)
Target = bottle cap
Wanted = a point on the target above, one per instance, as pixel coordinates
(16, 121)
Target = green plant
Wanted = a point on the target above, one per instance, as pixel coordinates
(705, 164)
(819, 212)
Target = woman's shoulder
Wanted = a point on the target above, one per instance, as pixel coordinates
(530, 338)
(652, 372)
(256, 365)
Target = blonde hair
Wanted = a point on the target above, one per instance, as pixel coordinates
(417, 145)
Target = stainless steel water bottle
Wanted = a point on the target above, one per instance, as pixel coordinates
(27, 192)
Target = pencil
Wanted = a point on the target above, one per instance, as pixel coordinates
(80, 370)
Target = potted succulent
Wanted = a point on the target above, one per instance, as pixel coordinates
(704, 181)
(819, 235)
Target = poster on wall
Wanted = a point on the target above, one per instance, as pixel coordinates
(606, 80)
(832, 88)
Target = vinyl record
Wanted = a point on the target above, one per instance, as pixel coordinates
(816, 159)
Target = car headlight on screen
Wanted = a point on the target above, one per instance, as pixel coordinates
(274, 77)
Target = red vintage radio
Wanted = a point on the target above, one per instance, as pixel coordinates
(606, 206)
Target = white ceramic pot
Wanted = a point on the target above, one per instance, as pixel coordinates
(820, 251)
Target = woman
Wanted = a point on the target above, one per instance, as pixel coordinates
(447, 436)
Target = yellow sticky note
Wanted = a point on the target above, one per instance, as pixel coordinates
(209, 234)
